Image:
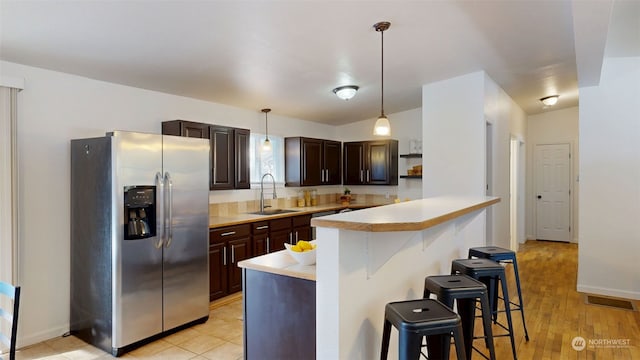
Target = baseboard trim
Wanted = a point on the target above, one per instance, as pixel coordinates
(623, 294)
(30, 339)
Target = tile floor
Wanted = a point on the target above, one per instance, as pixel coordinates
(220, 338)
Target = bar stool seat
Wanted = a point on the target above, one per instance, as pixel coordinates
(465, 291)
(489, 272)
(415, 319)
(502, 255)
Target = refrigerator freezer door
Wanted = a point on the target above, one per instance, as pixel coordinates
(137, 264)
(186, 246)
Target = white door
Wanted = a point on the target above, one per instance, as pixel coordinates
(553, 192)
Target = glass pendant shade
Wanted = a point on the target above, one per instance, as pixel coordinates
(382, 127)
(266, 145)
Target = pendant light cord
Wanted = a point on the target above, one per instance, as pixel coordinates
(382, 73)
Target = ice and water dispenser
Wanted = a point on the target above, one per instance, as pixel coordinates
(139, 212)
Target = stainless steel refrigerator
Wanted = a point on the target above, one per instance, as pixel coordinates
(139, 237)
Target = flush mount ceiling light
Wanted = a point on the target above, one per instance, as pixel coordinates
(346, 92)
(266, 145)
(550, 100)
(382, 126)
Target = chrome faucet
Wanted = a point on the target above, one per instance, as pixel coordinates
(275, 196)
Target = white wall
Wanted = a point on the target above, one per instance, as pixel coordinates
(609, 200)
(405, 126)
(56, 107)
(552, 127)
(455, 113)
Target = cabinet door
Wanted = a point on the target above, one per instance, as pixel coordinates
(311, 162)
(279, 238)
(332, 158)
(260, 238)
(382, 163)
(222, 157)
(186, 129)
(238, 250)
(242, 159)
(301, 228)
(353, 164)
(217, 271)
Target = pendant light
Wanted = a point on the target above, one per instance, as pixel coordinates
(266, 145)
(382, 126)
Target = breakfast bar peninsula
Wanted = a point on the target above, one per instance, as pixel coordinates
(368, 258)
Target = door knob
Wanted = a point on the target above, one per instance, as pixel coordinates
(539, 196)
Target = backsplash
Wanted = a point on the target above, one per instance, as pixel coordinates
(239, 207)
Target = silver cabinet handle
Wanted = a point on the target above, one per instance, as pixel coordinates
(262, 227)
(326, 175)
(169, 215)
(160, 209)
(361, 178)
(228, 233)
(268, 247)
(296, 237)
(291, 238)
(233, 254)
(224, 256)
(368, 178)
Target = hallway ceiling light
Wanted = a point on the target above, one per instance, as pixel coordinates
(346, 92)
(382, 126)
(550, 100)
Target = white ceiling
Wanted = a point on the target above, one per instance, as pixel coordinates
(289, 55)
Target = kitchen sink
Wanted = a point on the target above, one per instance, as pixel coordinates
(273, 212)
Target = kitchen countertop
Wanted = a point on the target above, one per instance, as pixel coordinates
(406, 216)
(281, 263)
(246, 218)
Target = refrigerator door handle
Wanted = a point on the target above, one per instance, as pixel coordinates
(169, 214)
(160, 209)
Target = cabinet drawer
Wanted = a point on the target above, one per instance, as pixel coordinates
(260, 227)
(229, 232)
(280, 224)
(302, 220)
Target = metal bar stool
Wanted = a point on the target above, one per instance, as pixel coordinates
(503, 256)
(489, 272)
(465, 291)
(415, 319)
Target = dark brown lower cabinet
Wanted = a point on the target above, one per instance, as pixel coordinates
(280, 233)
(279, 316)
(227, 246)
(230, 244)
(260, 237)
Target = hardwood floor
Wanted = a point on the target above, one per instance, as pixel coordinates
(556, 313)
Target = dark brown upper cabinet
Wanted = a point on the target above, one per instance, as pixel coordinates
(186, 129)
(223, 162)
(229, 165)
(370, 162)
(312, 162)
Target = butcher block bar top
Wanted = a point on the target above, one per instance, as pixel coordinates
(406, 216)
(281, 263)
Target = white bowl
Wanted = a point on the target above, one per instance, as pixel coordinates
(304, 258)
